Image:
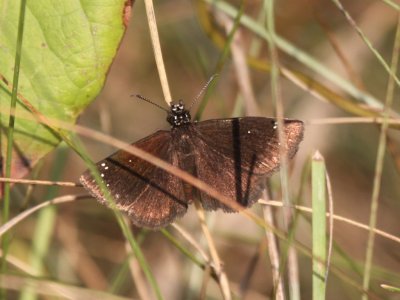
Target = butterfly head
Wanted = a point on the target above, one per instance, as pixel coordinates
(178, 115)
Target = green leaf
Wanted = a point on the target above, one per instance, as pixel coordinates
(68, 47)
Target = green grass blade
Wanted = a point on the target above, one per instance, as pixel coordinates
(45, 225)
(379, 165)
(318, 226)
(299, 55)
(391, 288)
(10, 134)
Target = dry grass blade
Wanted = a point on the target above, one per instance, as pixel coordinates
(240, 63)
(340, 53)
(191, 241)
(337, 218)
(380, 156)
(223, 279)
(244, 286)
(40, 182)
(378, 56)
(151, 17)
(81, 261)
(63, 199)
(322, 92)
(51, 288)
(352, 120)
(137, 275)
(292, 260)
(273, 253)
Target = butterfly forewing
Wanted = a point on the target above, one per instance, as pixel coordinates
(234, 156)
(151, 196)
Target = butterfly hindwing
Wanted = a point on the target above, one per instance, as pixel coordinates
(151, 197)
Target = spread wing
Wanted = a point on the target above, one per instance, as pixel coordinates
(151, 197)
(235, 156)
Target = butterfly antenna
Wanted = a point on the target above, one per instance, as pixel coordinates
(151, 102)
(202, 91)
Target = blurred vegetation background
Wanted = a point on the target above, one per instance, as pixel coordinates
(87, 248)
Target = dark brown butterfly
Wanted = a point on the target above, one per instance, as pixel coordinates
(234, 156)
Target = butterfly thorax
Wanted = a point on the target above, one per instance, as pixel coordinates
(178, 115)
